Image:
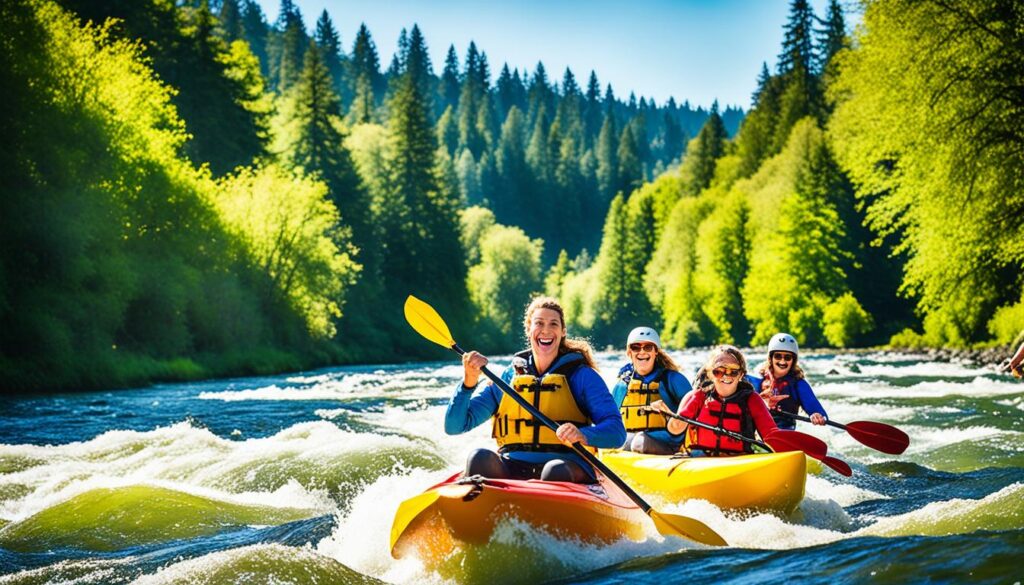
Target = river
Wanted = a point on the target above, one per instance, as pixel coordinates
(296, 478)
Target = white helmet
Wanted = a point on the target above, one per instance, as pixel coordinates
(782, 342)
(643, 334)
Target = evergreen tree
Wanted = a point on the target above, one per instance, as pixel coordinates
(592, 115)
(832, 38)
(314, 142)
(216, 97)
(365, 72)
(620, 301)
(469, 103)
(418, 67)
(702, 154)
(450, 81)
(674, 140)
(448, 132)
(421, 218)
(287, 50)
(230, 17)
(539, 96)
(254, 27)
(607, 160)
(630, 169)
(512, 171)
(329, 43)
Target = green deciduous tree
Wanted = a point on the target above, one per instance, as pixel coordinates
(934, 148)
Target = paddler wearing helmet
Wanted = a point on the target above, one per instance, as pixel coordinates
(558, 376)
(781, 382)
(650, 379)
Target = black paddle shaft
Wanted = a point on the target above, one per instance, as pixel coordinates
(711, 428)
(577, 446)
(808, 419)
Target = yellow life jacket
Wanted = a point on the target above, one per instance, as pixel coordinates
(516, 429)
(639, 395)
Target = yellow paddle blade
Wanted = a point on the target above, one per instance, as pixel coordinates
(407, 512)
(425, 320)
(690, 528)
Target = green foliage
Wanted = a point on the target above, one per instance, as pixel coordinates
(844, 320)
(795, 261)
(702, 154)
(310, 138)
(508, 275)
(670, 273)
(620, 302)
(722, 256)
(116, 266)
(475, 223)
(933, 146)
(1007, 323)
(292, 233)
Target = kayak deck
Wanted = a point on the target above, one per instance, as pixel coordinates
(464, 511)
(771, 482)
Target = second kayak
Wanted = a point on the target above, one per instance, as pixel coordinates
(771, 482)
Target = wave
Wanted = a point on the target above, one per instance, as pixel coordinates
(1002, 510)
(264, 563)
(314, 465)
(114, 519)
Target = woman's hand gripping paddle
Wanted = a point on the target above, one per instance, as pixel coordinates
(425, 320)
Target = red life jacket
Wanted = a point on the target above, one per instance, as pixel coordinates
(731, 415)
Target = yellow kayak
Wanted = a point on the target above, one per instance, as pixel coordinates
(463, 512)
(771, 482)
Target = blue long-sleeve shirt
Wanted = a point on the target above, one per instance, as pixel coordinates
(672, 392)
(799, 392)
(469, 409)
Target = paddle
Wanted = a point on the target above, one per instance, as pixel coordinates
(778, 441)
(878, 436)
(425, 320)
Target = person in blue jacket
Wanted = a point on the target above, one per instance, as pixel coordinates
(558, 376)
(650, 380)
(782, 384)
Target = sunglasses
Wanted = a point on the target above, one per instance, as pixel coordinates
(720, 373)
(648, 347)
(783, 357)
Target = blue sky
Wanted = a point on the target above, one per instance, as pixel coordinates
(696, 50)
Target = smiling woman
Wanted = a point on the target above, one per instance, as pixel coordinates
(650, 378)
(558, 376)
(782, 384)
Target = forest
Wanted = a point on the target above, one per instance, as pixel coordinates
(193, 191)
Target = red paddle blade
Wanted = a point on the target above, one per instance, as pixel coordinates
(796, 441)
(879, 436)
(838, 465)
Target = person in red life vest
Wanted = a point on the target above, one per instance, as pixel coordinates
(781, 382)
(557, 375)
(725, 399)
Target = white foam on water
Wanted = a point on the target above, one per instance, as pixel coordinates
(361, 539)
(295, 564)
(842, 493)
(187, 459)
(754, 530)
(874, 389)
(70, 572)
